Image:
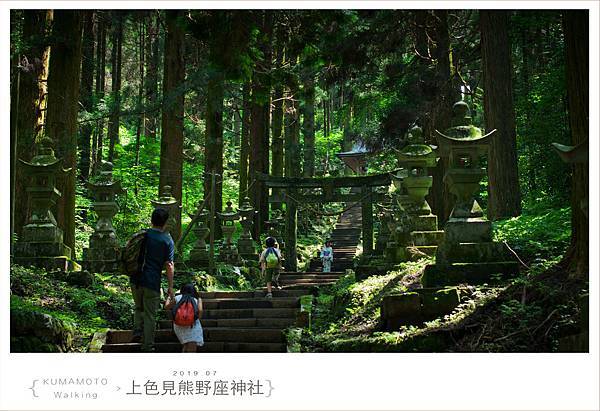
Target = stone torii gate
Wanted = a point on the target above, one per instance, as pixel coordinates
(295, 190)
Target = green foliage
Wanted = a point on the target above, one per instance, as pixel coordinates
(105, 304)
(542, 232)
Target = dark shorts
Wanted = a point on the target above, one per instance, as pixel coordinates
(271, 273)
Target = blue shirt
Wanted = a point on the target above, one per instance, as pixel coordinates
(159, 250)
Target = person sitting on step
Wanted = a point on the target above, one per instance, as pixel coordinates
(327, 256)
(270, 264)
(187, 311)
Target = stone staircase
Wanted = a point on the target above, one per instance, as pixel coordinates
(345, 237)
(236, 321)
(245, 321)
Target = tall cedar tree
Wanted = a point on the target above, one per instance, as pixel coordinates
(87, 99)
(440, 199)
(63, 98)
(31, 101)
(259, 130)
(116, 66)
(245, 142)
(504, 192)
(152, 64)
(97, 142)
(576, 29)
(277, 143)
(213, 157)
(308, 127)
(171, 143)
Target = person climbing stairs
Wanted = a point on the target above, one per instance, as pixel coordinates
(246, 321)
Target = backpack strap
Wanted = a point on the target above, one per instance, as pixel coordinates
(272, 250)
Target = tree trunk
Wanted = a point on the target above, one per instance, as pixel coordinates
(116, 58)
(97, 144)
(576, 29)
(293, 167)
(526, 64)
(259, 131)
(171, 144)
(32, 89)
(440, 199)
(152, 63)
(503, 176)
(87, 87)
(308, 126)
(245, 143)
(213, 157)
(140, 100)
(63, 98)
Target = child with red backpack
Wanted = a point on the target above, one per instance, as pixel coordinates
(270, 264)
(187, 310)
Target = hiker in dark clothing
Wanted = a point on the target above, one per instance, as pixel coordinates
(159, 253)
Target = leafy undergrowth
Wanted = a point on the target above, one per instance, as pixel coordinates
(531, 315)
(106, 303)
(539, 234)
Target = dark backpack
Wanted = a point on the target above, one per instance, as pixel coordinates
(134, 254)
(185, 312)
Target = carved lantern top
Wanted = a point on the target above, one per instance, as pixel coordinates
(229, 216)
(246, 210)
(417, 156)
(202, 213)
(166, 199)
(44, 167)
(102, 184)
(463, 143)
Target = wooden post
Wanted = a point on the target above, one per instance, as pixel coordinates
(367, 220)
(291, 217)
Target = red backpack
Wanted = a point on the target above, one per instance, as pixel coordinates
(185, 312)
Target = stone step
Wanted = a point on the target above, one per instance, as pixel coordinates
(307, 280)
(210, 334)
(207, 347)
(250, 294)
(280, 323)
(422, 238)
(225, 303)
(305, 285)
(251, 312)
(469, 273)
(318, 276)
(309, 272)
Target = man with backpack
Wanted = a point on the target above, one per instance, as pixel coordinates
(270, 264)
(157, 251)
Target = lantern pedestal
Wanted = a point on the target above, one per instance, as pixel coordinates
(41, 243)
(104, 252)
(199, 254)
(467, 254)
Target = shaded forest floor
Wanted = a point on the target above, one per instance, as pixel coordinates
(528, 314)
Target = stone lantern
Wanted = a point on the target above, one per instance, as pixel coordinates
(464, 144)
(246, 246)
(467, 253)
(169, 203)
(41, 242)
(417, 157)
(104, 250)
(199, 255)
(228, 218)
(275, 228)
